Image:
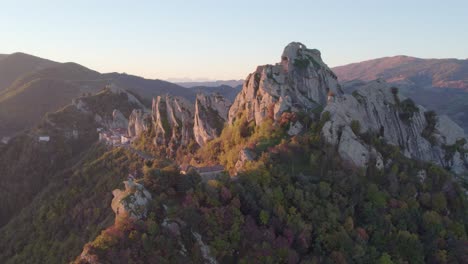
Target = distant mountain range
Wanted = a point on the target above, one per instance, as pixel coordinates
(228, 92)
(295, 170)
(232, 83)
(410, 71)
(439, 84)
(31, 86)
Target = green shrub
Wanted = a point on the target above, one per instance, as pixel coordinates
(302, 63)
(356, 127)
(407, 108)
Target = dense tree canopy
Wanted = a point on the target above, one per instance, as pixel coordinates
(296, 203)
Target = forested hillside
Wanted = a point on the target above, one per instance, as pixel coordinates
(298, 202)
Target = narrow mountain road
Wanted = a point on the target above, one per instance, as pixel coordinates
(140, 153)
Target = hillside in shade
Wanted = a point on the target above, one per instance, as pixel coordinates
(14, 65)
(30, 87)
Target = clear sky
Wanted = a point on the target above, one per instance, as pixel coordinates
(223, 39)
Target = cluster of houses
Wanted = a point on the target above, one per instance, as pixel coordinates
(114, 136)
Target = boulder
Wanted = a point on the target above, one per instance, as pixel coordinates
(295, 128)
(131, 202)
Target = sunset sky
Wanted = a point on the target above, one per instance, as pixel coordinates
(227, 39)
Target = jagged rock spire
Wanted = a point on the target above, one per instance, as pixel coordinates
(300, 82)
(211, 113)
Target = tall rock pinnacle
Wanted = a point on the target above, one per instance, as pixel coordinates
(301, 82)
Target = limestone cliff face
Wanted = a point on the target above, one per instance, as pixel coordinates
(301, 82)
(118, 120)
(172, 121)
(379, 109)
(138, 122)
(177, 122)
(107, 106)
(211, 112)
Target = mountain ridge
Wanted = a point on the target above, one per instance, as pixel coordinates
(44, 86)
(424, 80)
(439, 73)
(191, 84)
(14, 65)
(304, 173)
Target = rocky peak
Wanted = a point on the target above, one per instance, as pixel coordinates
(177, 121)
(211, 112)
(138, 122)
(301, 82)
(172, 120)
(297, 51)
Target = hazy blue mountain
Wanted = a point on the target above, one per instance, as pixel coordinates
(232, 83)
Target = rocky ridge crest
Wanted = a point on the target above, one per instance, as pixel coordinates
(378, 108)
(301, 82)
(177, 122)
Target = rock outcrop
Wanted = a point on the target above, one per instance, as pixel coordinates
(211, 112)
(379, 109)
(300, 83)
(303, 83)
(131, 202)
(138, 122)
(353, 150)
(177, 122)
(173, 121)
(245, 155)
(118, 120)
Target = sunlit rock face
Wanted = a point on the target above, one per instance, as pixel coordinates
(138, 122)
(173, 121)
(301, 82)
(211, 112)
(177, 122)
(378, 108)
